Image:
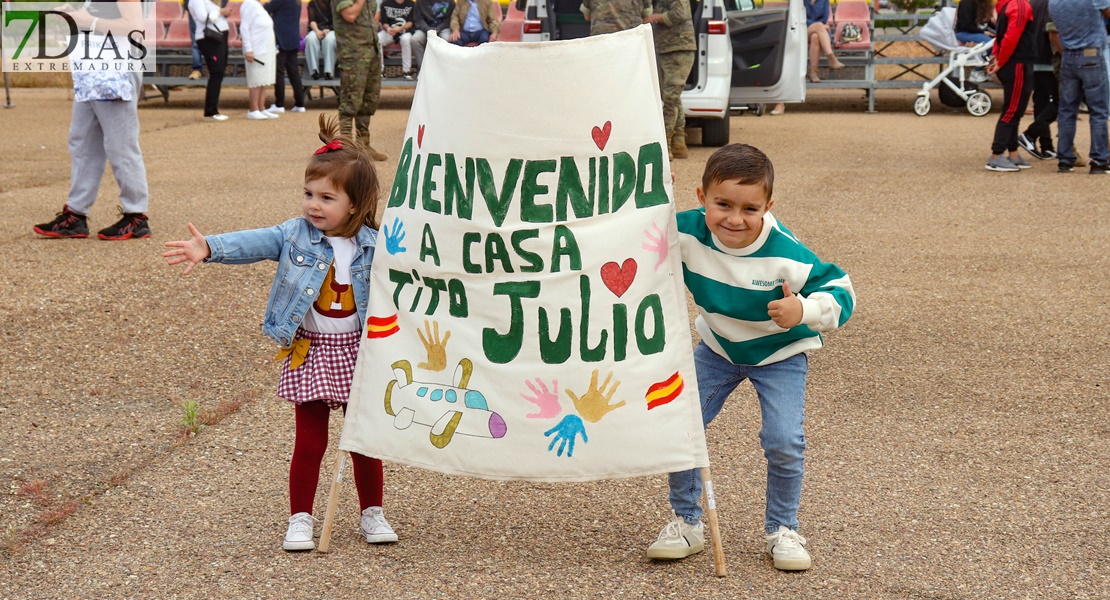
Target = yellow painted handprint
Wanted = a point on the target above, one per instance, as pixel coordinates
(594, 404)
(437, 350)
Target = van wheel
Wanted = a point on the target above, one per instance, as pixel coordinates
(715, 132)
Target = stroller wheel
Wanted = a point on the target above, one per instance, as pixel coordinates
(979, 104)
(921, 106)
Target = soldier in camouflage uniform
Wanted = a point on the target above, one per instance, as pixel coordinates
(608, 16)
(675, 46)
(360, 65)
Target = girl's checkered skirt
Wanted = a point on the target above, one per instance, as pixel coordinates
(327, 370)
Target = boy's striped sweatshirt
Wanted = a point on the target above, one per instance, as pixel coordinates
(732, 287)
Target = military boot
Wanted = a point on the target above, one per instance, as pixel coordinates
(374, 154)
(678, 145)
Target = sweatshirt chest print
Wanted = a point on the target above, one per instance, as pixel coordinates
(336, 300)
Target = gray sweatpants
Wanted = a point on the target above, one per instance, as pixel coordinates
(102, 132)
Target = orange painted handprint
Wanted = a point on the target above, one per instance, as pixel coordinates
(594, 404)
(437, 349)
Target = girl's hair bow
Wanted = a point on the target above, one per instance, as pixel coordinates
(332, 145)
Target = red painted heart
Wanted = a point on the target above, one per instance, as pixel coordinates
(601, 134)
(618, 278)
(420, 136)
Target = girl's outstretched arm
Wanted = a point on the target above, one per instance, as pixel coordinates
(192, 250)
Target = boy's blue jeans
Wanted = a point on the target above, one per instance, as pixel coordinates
(781, 388)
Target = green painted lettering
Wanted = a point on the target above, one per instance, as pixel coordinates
(469, 239)
(620, 332)
(497, 204)
(397, 194)
(565, 245)
(413, 181)
(502, 348)
(431, 204)
(495, 249)
(570, 189)
(624, 179)
(530, 212)
(428, 245)
(651, 155)
(535, 263)
(655, 343)
(597, 353)
(555, 351)
(456, 198)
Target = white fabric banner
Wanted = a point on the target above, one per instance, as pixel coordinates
(527, 318)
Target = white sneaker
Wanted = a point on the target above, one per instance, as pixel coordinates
(299, 534)
(297, 109)
(274, 108)
(785, 546)
(678, 539)
(216, 117)
(375, 527)
(257, 115)
(269, 115)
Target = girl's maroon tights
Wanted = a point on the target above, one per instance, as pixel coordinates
(308, 452)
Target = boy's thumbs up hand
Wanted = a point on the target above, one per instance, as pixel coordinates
(787, 312)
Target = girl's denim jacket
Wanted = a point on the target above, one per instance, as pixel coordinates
(303, 257)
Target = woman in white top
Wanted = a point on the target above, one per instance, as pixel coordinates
(211, 17)
(260, 50)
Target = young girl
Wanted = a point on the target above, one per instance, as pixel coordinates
(315, 311)
(260, 51)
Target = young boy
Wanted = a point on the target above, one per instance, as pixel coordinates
(762, 298)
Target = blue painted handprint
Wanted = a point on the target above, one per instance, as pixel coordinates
(565, 432)
(393, 238)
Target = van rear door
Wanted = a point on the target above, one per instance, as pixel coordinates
(768, 51)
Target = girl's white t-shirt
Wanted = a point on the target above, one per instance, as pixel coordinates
(335, 309)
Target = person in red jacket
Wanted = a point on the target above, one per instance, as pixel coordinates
(1012, 60)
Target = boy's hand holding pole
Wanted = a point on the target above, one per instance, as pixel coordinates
(194, 250)
(786, 313)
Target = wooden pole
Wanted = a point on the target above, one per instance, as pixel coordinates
(714, 527)
(333, 500)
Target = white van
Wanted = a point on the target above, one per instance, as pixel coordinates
(747, 54)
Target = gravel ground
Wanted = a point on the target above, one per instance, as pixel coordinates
(958, 425)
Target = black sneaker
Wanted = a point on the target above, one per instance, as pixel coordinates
(66, 224)
(131, 225)
(1099, 169)
(1030, 146)
(1065, 168)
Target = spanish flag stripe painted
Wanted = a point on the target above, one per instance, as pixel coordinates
(380, 327)
(665, 391)
(381, 321)
(382, 333)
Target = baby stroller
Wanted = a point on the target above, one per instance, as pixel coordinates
(953, 87)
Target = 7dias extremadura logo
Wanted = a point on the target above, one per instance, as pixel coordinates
(58, 37)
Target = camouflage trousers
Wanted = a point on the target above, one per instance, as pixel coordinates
(674, 69)
(360, 88)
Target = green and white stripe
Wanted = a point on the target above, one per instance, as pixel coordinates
(732, 287)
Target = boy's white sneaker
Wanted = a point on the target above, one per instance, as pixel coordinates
(785, 546)
(678, 539)
(297, 109)
(274, 108)
(299, 534)
(375, 528)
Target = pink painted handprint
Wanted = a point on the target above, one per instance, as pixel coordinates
(657, 243)
(546, 401)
